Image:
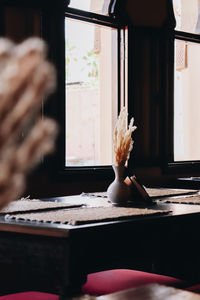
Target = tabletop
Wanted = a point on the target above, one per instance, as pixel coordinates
(45, 256)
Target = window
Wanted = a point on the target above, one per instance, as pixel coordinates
(95, 85)
(95, 6)
(87, 39)
(186, 107)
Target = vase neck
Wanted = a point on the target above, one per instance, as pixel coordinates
(119, 172)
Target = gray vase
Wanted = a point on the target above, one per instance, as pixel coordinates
(119, 192)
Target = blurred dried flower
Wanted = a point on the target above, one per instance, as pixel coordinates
(26, 79)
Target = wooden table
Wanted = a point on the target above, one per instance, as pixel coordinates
(151, 292)
(46, 256)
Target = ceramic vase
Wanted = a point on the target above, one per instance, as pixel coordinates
(118, 191)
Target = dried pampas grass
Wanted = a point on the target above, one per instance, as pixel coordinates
(26, 79)
(123, 142)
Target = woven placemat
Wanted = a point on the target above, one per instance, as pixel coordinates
(195, 199)
(85, 215)
(35, 205)
(163, 192)
(153, 193)
(95, 194)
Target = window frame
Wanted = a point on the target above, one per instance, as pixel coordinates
(181, 168)
(59, 157)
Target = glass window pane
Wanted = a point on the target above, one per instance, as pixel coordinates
(94, 6)
(187, 101)
(187, 14)
(91, 93)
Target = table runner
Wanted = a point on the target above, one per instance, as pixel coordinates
(85, 215)
(164, 192)
(153, 192)
(35, 205)
(195, 199)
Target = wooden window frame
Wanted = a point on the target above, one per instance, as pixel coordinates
(59, 157)
(181, 168)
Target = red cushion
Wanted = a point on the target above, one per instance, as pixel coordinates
(30, 296)
(195, 288)
(111, 281)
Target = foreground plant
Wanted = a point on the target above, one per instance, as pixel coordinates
(123, 142)
(26, 79)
